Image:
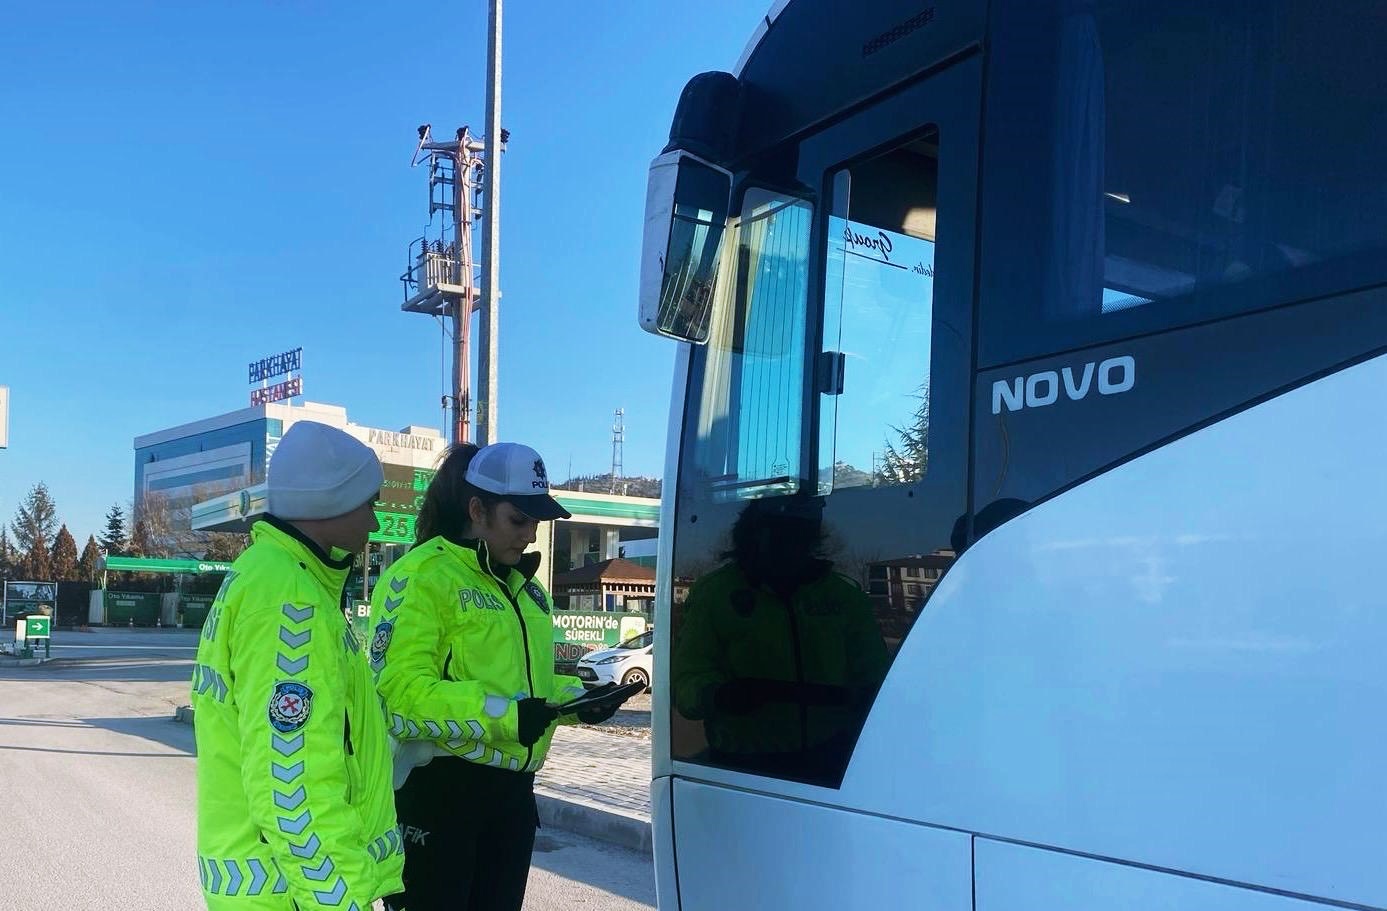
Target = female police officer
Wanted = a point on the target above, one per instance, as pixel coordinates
(463, 657)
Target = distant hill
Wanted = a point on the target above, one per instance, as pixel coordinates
(602, 483)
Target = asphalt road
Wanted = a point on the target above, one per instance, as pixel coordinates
(99, 784)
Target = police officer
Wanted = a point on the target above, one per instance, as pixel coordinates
(293, 770)
(463, 654)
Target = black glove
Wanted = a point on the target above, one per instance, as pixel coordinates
(739, 697)
(535, 716)
(598, 713)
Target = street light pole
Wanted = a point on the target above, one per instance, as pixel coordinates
(491, 239)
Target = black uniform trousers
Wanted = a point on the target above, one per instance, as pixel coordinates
(469, 831)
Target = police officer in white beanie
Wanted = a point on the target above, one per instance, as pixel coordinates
(295, 806)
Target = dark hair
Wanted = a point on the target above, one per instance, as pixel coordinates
(445, 507)
(786, 514)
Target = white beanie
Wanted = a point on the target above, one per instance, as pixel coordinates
(320, 472)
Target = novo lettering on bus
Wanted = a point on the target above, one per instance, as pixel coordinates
(1113, 376)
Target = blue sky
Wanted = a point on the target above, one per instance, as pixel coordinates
(187, 187)
(884, 327)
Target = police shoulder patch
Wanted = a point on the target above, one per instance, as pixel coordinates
(380, 642)
(532, 588)
(290, 705)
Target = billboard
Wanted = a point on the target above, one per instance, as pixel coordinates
(4, 417)
(267, 368)
(132, 608)
(400, 498)
(29, 597)
(289, 389)
(285, 364)
(578, 632)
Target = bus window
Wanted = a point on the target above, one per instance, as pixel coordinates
(747, 436)
(878, 308)
(1156, 165)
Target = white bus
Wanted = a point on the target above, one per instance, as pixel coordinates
(1028, 460)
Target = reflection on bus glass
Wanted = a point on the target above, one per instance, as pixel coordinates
(778, 656)
(805, 572)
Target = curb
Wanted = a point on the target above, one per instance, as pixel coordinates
(559, 812)
(8, 661)
(612, 826)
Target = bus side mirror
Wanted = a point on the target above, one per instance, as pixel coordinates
(686, 207)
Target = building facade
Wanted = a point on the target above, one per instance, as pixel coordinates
(205, 459)
(611, 585)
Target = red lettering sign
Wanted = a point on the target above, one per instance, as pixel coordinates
(278, 392)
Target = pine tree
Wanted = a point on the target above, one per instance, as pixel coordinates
(8, 556)
(113, 538)
(907, 463)
(37, 564)
(89, 566)
(35, 519)
(65, 557)
(33, 528)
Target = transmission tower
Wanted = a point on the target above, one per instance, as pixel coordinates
(443, 277)
(618, 442)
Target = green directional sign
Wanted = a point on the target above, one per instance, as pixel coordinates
(38, 628)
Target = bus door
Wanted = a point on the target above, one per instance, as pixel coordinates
(821, 497)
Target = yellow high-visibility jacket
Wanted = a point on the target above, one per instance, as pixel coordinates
(293, 766)
(457, 641)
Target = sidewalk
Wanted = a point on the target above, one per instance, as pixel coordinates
(593, 783)
(597, 784)
(8, 658)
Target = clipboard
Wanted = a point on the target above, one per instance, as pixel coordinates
(601, 697)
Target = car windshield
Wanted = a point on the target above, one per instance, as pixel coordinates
(642, 641)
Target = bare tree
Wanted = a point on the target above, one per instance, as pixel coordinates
(224, 547)
(168, 530)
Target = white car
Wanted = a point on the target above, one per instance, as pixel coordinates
(629, 662)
